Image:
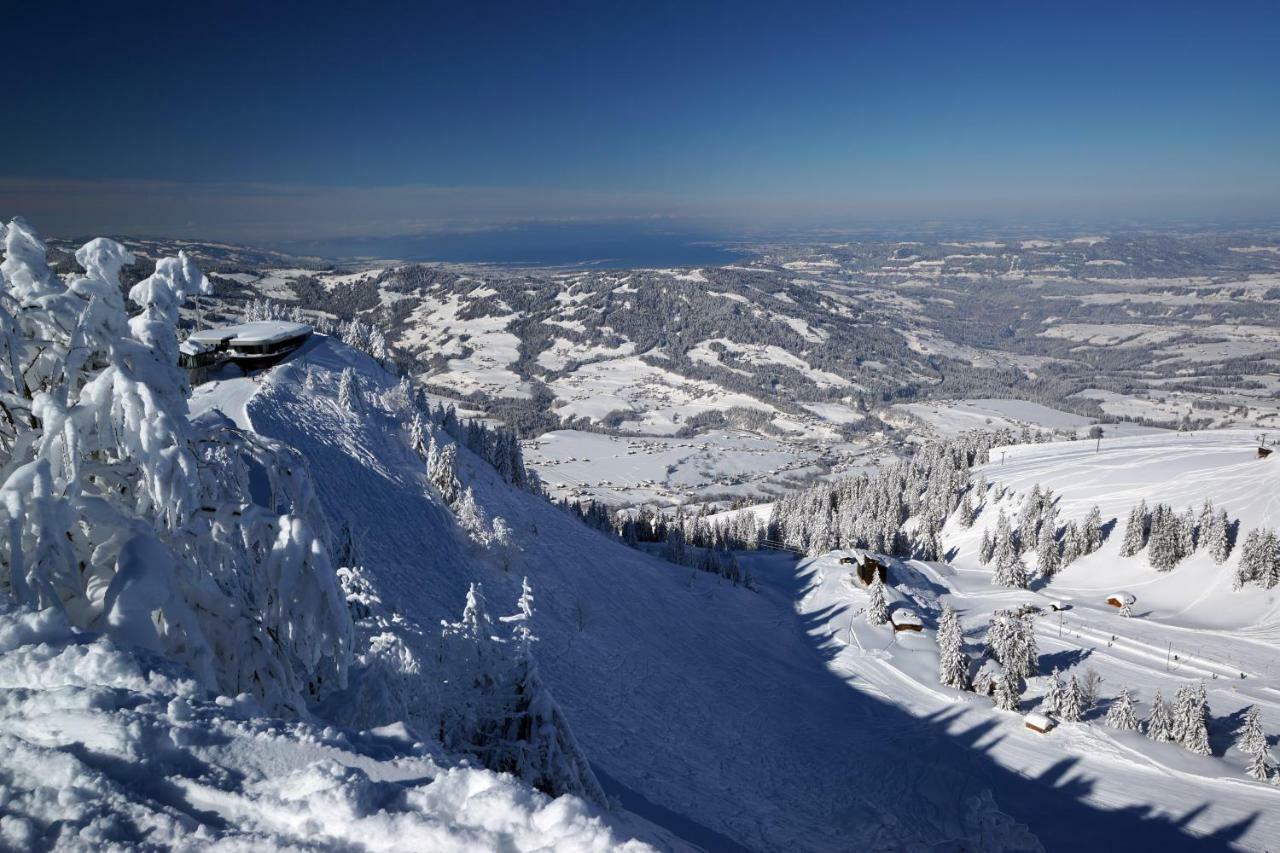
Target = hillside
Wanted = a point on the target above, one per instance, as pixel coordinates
(824, 354)
(1190, 626)
(711, 710)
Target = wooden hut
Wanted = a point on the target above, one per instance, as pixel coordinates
(1264, 452)
(1120, 599)
(866, 567)
(906, 620)
(1039, 723)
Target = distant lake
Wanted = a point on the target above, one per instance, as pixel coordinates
(567, 245)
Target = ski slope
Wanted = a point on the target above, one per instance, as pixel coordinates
(720, 714)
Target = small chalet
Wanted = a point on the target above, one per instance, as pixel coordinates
(989, 674)
(1039, 723)
(867, 567)
(905, 620)
(1120, 599)
(1264, 452)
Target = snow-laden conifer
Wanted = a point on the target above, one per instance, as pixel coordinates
(877, 606)
(953, 662)
(1121, 714)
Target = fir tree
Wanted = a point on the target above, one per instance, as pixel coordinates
(1091, 531)
(1250, 739)
(1121, 713)
(1052, 702)
(1258, 767)
(1219, 538)
(1135, 531)
(1008, 693)
(964, 512)
(877, 608)
(953, 662)
(1047, 556)
(1158, 723)
(1071, 708)
(349, 396)
(986, 549)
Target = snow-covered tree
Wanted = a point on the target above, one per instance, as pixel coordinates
(1135, 531)
(1259, 559)
(1091, 531)
(1159, 724)
(1164, 549)
(1052, 702)
(499, 709)
(502, 541)
(1048, 558)
(1071, 708)
(442, 469)
(1218, 538)
(472, 517)
(1121, 714)
(1190, 719)
(877, 607)
(965, 512)
(128, 518)
(1008, 694)
(953, 662)
(986, 548)
(350, 397)
(1250, 738)
(1258, 767)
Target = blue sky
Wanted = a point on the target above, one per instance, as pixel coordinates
(309, 120)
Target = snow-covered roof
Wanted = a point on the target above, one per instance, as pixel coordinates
(251, 334)
(1123, 597)
(992, 668)
(905, 617)
(1040, 721)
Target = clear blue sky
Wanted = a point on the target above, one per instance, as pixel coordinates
(300, 120)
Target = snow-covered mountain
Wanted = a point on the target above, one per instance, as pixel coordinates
(277, 622)
(824, 356)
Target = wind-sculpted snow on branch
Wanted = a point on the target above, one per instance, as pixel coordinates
(132, 520)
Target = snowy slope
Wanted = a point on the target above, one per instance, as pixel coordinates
(704, 707)
(1182, 470)
(1190, 626)
(108, 748)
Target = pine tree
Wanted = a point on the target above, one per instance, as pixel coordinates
(1121, 713)
(1052, 702)
(1250, 739)
(1258, 767)
(1219, 538)
(1165, 545)
(349, 395)
(877, 608)
(1072, 549)
(953, 662)
(1070, 708)
(1158, 724)
(986, 549)
(1047, 556)
(1191, 713)
(1135, 531)
(1091, 531)
(1008, 693)
(964, 512)
(1010, 570)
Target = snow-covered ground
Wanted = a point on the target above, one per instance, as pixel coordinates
(1190, 626)
(735, 718)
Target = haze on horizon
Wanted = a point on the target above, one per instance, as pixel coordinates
(297, 123)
